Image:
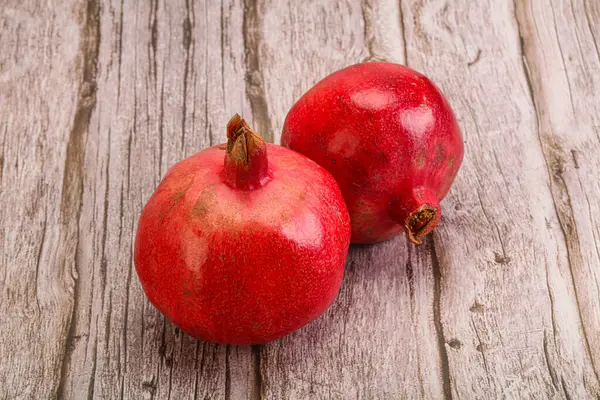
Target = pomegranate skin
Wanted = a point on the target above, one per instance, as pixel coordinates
(389, 137)
(243, 265)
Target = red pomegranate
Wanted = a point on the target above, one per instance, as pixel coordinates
(243, 242)
(390, 139)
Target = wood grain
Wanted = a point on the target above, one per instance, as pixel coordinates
(560, 44)
(507, 299)
(378, 340)
(99, 98)
(172, 74)
(46, 95)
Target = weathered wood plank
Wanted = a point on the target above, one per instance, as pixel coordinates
(560, 42)
(170, 76)
(46, 95)
(296, 48)
(99, 98)
(378, 340)
(508, 311)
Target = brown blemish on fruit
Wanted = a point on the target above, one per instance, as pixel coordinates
(420, 158)
(439, 154)
(200, 209)
(204, 202)
(451, 161)
(177, 197)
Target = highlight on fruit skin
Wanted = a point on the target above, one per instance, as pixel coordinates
(391, 140)
(244, 242)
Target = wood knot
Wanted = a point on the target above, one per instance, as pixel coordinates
(149, 386)
(477, 307)
(501, 259)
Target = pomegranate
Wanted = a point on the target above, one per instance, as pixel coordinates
(390, 139)
(245, 250)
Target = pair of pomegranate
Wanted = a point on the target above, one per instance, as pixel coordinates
(245, 242)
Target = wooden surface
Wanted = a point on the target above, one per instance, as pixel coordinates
(99, 98)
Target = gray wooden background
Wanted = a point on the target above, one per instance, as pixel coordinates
(99, 98)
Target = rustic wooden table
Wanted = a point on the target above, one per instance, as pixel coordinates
(99, 98)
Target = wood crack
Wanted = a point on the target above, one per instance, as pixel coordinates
(589, 24)
(596, 244)
(255, 90)
(403, 30)
(482, 352)
(196, 370)
(108, 325)
(476, 59)
(91, 384)
(257, 392)
(153, 39)
(132, 131)
(368, 29)
(188, 40)
(72, 189)
(2, 156)
(103, 259)
(207, 123)
(227, 373)
(551, 370)
(162, 349)
(569, 230)
(437, 321)
(345, 305)
(576, 34)
(39, 260)
(552, 307)
(504, 258)
(120, 54)
(121, 196)
(411, 288)
(562, 57)
(564, 387)
(222, 52)
(126, 317)
(161, 118)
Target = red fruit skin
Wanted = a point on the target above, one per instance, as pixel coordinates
(243, 266)
(389, 137)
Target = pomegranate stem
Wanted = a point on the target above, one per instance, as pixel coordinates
(420, 223)
(418, 211)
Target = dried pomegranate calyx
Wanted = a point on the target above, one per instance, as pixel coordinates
(418, 211)
(246, 164)
(421, 223)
